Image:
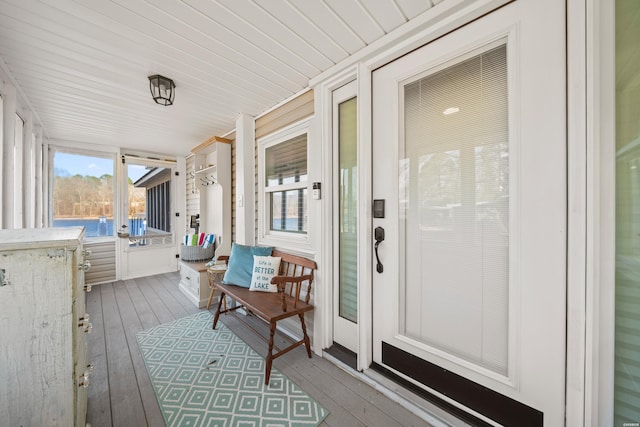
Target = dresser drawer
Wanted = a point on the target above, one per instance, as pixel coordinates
(194, 283)
(190, 280)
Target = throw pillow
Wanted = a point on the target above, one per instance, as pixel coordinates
(240, 266)
(264, 269)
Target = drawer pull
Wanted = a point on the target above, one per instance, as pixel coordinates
(83, 322)
(84, 378)
(85, 266)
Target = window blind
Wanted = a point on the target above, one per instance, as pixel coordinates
(286, 162)
(348, 205)
(454, 202)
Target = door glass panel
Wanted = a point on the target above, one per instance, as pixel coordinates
(348, 209)
(454, 210)
(627, 309)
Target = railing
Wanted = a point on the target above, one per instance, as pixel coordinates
(149, 239)
(137, 226)
(140, 235)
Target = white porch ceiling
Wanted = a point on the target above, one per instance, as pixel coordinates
(83, 64)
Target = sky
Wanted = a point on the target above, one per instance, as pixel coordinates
(76, 164)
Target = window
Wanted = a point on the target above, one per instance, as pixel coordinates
(83, 192)
(284, 180)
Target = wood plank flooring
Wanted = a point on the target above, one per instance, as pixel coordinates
(121, 394)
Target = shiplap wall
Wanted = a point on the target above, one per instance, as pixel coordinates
(103, 261)
(291, 112)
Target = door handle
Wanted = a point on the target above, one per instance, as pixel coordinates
(379, 236)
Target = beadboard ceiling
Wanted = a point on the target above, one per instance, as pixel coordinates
(83, 64)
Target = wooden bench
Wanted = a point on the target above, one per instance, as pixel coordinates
(290, 300)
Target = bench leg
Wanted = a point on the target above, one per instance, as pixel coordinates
(267, 369)
(307, 344)
(215, 318)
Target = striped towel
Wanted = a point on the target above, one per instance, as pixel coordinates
(191, 239)
(209, 239)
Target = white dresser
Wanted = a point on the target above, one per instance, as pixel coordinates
(43, 352)
(194, 283)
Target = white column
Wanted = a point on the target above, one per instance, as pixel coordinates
(18, 167)
(245, 179)
(8, 137)
(39, 187)
(28, 183)
(45, 194)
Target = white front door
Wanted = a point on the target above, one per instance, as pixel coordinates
(469, 157)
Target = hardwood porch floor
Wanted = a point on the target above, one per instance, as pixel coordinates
(120, 393)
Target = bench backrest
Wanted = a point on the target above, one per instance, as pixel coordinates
(296, 266)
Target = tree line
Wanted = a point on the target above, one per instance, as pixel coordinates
(79, 196)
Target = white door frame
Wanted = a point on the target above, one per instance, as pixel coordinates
(323, 105)
(154, 259)
(591, 212)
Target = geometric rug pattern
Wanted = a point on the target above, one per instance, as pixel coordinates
(205, 377)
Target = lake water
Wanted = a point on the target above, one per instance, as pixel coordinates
(92, 227)
(96, 228)
(100, 227)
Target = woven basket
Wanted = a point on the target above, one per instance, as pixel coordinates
(196, 253)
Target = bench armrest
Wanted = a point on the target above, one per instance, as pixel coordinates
(281, 282)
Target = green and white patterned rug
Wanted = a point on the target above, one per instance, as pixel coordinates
(205, 377)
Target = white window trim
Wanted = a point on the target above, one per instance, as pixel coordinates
(266, 236)
(49, 153)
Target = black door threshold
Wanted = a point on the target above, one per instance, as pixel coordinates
(435, 400)
(344, 355)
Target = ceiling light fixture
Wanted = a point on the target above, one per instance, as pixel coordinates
(162, 89)
(450, 110)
